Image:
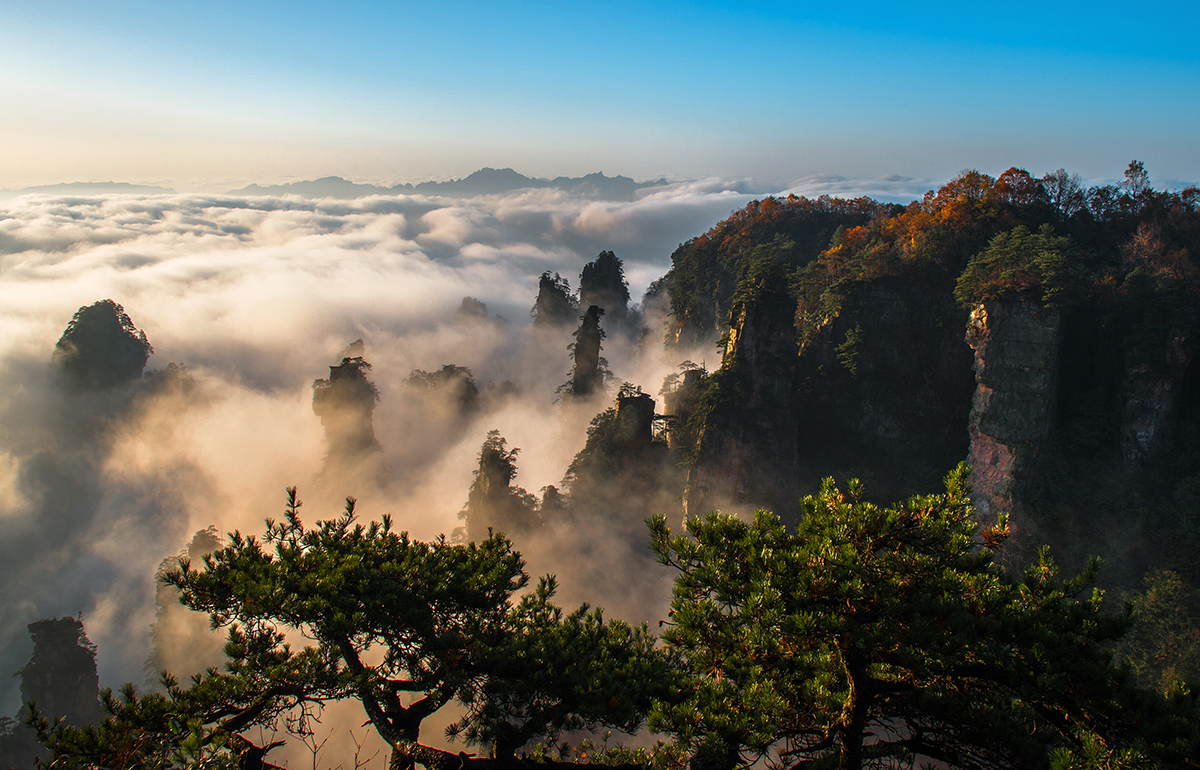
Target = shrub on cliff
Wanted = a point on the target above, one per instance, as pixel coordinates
(1018, 263)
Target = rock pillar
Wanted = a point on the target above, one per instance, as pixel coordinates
(1016, 348)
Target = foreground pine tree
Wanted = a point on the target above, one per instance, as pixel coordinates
(402, 626)
(874, 636)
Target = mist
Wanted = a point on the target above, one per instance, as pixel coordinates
(256, 297)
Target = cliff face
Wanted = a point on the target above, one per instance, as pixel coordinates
(1075, 394)
(587, 377)
(680, 400)
(1151, 394)
(345, 403)
(746, 450)
(493, 502)
(1016, 348)
(884, 388)
(624, 473)
(1055, 409)
(60, 677)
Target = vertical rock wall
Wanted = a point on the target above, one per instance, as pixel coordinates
(345, 403)
(1016, 348)
(679, 404)
(746, 454)
(1151, 393)
(61, 676)
(885, 388)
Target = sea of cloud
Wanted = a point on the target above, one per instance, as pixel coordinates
(257, 296)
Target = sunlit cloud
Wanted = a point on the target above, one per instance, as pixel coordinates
(256, 296)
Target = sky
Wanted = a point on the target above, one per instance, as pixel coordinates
(257, 295)
(209, 96)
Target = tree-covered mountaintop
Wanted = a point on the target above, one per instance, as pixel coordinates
(888, 369)
(706, 268)
(841, 241)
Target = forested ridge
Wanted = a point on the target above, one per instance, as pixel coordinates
(937, 503)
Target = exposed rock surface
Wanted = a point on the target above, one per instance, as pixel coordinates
(635, 419)
(60, 679)
(493, 502)
(61, 676)
(1016, 348)
(884, 388)
(588, 374)
(345, 403)
(746, 455)
(1151, 396)
(680, 400)
(554, 305)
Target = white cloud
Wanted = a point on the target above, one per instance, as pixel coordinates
(256, 295)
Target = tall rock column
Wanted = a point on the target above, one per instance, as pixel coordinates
(746, 454)
(587, 377)
(1016, 348)
(345, 403)
(680, 400)
(61, 677)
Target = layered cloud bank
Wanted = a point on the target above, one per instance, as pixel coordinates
(257, 296)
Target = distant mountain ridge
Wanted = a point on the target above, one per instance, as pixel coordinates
(92, 188)
(486, 181)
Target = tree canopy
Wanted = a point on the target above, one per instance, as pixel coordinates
(400, 625)
(874, 634)
(101, 347)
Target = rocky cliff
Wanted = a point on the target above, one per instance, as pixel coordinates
(746, 450)
(1017, 347)
(1051, 347)
(884, 387)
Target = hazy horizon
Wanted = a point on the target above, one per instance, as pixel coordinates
(210, 98)
(257, 294)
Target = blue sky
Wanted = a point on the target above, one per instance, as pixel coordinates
(212, 94)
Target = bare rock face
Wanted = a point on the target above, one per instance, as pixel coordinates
(1151, 393)
(494, 502)
(1016, 348)
(587, 378)
(635, 419)
(746, 456)
(679, 403)
(60, 680)
(884, 388)
(345, 403)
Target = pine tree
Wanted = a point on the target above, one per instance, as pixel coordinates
(870, 633)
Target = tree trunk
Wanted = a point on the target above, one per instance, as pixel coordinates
(854, 713)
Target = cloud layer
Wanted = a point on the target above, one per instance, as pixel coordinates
(257, 296)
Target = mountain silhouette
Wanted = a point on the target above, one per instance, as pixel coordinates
(485, 181)
(92, 188)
